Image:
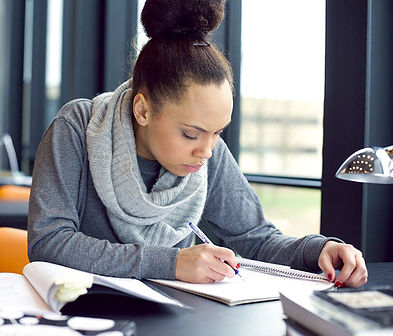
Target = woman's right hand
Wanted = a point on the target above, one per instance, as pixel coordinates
(203, 263)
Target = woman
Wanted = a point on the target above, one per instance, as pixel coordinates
(118, 178)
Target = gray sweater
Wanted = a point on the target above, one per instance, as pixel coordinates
(68, 223)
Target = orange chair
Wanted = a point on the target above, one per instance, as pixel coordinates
(13, 250)
(14, 193)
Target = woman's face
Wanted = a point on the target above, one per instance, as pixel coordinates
(181, 136)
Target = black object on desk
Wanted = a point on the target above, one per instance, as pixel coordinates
(347, 311)
(63, 325)
(207, 317)
(379, 274)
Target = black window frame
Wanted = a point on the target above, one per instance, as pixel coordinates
(358, 113)
(358, 109)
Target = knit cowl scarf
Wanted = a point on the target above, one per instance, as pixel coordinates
(156, 218)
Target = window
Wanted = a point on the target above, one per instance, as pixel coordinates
(284, 149)
(296, 211)
(41, 72)
(141, 38)
(53, 58)
(282, 93)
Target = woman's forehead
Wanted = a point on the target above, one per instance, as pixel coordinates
(208, 107)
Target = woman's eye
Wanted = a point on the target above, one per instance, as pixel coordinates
(190, 136)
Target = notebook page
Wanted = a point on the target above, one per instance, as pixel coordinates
(254, 286)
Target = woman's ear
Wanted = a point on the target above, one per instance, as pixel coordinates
(141, 109)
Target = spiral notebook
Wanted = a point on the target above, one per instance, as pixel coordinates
(280, 270)
(259, 281)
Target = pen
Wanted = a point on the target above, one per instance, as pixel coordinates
(206, 240)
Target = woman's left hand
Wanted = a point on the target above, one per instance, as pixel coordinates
(336, 255)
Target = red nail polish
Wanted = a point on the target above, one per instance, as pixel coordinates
(238, 266)
(330, 277)
(338, 284)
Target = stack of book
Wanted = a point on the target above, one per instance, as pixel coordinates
(343, 312)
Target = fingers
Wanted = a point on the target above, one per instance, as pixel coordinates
(353, 267)
(205, 263)
(223, 253)
(354, 272)
(219, 270)
(327, 267)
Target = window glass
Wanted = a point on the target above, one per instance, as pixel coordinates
(141, 38)
(53, 57)
(295, 211)
(282, 87)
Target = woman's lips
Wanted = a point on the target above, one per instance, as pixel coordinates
(193, 169)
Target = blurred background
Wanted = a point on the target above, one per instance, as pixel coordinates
(312, 81)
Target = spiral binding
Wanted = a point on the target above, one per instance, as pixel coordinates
(283, 273)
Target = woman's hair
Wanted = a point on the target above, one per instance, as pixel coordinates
(179, 50)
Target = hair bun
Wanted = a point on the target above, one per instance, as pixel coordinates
(194, 18)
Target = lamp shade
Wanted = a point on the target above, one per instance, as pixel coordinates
(368, 165)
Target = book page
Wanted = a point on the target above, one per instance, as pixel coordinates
(49, 279)
(250, 287)
(136, 288)
(325, 319)
(44, 276)
(17, 294)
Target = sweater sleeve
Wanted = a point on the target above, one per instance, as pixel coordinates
(58, 196)
(235, 214)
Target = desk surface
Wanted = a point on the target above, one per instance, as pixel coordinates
(210, 317)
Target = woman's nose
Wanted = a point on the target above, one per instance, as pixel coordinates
(204, 150)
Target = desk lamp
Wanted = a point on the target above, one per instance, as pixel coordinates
(369, 165)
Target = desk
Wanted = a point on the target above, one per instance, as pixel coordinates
(209, 317)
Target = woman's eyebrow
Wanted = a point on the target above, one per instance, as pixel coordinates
(205, 131)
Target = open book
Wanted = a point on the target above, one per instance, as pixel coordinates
(345, 312)
(46, 288)
(259, 281)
